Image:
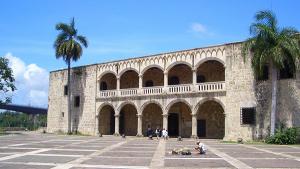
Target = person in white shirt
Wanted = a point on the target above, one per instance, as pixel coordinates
(164, 133)
(200, 147)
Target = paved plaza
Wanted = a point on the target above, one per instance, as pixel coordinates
(45, 151)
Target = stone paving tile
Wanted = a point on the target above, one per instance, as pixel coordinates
(252, 155)
(279, 150)
(41, 159)
(119, 161)
(128, 154)
(15, 150)
(22, 166)
(3, 155)
(271, 163)
(296, 154)
(62, 152)
(197, 163)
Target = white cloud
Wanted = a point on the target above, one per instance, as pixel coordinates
(197, 27)
(31, 81)
(200, 30)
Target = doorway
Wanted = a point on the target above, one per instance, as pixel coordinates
(173, 124)
(201, 128)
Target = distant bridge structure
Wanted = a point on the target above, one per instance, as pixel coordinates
(24, 109)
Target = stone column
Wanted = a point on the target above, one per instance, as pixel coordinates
(194, 78)
(140, 83)
(118, 84)
(140, 125)
(194, 126)
(165, 121)
(165, 81)
(117, 116)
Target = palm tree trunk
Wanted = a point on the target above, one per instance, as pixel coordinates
(274, 100)
(69, 97)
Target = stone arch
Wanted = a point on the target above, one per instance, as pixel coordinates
(129, 79)
(208, 59)
(106, 119)
(177, 63)
(177, 101)
(152, 66)
(150, 102)
(128, 119)
(155, 74)
(127, 69)
(125, 103)
(210, 70)
(180, 73)
(109, 78)
(210, 119)
(152, 117)
(179, 118)
(103, 105)
(106, 72)
(196, 108)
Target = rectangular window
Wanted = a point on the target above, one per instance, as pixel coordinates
(248, 116)
(66, 90)
(77, 101)
(62, 114)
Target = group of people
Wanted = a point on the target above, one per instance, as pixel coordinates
(158, 133)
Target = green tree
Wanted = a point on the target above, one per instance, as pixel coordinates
(6, 82)
(272, 45)
(68, 46)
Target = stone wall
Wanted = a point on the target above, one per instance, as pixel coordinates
(242, 90)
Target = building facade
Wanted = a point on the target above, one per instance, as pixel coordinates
(206, 92)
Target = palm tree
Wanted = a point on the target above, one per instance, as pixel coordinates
(272, 45)
(68, 47)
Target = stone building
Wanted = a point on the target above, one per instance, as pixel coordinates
(208, 92)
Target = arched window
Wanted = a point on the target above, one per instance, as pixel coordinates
(174, 80)
(149, 83)
(103, 86)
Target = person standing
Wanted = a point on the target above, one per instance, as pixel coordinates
(157, 131)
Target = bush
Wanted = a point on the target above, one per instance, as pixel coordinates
(284, 136)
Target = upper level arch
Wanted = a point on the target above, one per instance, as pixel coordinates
(178, 63)
(151, 66)
(126, 70)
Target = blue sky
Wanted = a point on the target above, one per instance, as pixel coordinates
(121, 29)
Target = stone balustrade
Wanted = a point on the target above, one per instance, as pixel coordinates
(186, 88)
(152, 90)
(210, 87)
(171, 89)
(129, 92)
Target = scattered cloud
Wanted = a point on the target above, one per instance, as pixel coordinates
(200, 29)
(197, 27)
(31, 81)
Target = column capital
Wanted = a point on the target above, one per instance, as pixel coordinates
(194, 115)
(117, 115)
(165, 115)
(139, 115)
